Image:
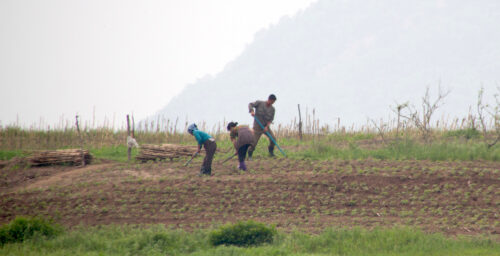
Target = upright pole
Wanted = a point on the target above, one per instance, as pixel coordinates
(129, 148)
(300, 123)
(133, 127)
(397, 127)
(81, 141)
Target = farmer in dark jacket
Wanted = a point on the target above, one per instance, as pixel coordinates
(264, 111)
(242, 138)
(204, 140)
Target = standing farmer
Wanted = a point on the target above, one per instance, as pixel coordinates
(264, 111)
(210, 146)
(242, 138)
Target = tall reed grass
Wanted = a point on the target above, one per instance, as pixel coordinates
(320, 140)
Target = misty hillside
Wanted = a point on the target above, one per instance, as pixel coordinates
(353, 59)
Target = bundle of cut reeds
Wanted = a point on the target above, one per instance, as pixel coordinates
(62, 156)
(161, 152)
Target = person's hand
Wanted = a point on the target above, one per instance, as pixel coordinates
(252, 113)
(266, 128)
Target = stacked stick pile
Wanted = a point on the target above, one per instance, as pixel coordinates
(63, 156)
(170, 151)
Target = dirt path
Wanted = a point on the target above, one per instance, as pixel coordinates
(63, 178)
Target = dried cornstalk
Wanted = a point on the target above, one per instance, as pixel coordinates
(161, 152)
(64, 156)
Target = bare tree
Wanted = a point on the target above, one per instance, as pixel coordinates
(397, 110)
(496, 117)
(494, 113)
(481, 107)
(382, 128)
(422, 120)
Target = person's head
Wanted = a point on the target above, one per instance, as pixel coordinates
(271, 99)
(192, 128)
(231, 125)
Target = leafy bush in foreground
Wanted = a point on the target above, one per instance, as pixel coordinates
(23, 228)
(242, 234)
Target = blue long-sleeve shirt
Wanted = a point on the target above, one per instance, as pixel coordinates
(201, 137)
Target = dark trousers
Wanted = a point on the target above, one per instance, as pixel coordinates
(242, 152)
(258, 132)
(210, 147)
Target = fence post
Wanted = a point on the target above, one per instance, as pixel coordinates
(129, 148)
(133, 127)
(81, 141)
(300, 123)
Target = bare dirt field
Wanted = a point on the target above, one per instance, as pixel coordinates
(449, 197)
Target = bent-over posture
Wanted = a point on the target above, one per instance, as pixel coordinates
(242, 138)
(204, 140)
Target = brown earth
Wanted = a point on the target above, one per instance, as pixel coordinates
(450, 197)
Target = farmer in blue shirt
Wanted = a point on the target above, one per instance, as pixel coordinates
(210, 146)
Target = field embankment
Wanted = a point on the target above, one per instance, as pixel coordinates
(450, 197)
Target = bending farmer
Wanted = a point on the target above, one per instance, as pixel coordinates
(264, 111)
(242, 138)
(210, 146)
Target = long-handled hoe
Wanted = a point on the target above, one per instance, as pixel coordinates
(189, 161)
(271, 137)
(229, 158)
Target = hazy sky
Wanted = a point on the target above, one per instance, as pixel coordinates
(62, 57)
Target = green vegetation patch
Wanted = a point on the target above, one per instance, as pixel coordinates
(248, 233)
(159, 240)
(9, 154)
(395, 241)
(470, 133)
(116, 153)
(23, 228)
(401, 150)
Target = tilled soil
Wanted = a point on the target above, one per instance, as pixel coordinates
(449, 197)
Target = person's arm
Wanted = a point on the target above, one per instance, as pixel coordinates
(266, 128)
(234, 143)
(232, 135)
(272, 116)
(269, 122)
(251, 107)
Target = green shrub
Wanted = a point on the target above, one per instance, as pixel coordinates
(23, 228)
(242, 234)
(469, 133)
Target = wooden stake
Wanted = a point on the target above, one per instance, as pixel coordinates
(81, 141)
(133, 127)
(129, 148)
(300, 123)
